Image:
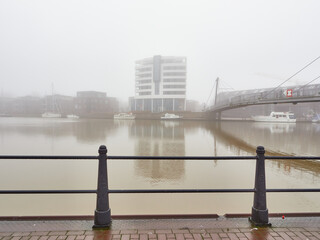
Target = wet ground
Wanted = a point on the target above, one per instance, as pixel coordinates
(206, 228)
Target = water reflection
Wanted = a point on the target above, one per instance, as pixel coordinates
(151, 137)
(235, 143)
(292, 139)
(94, 130)
(159, 138)
(275, 128)
(316, 127)
(278, 140)
(83, 130)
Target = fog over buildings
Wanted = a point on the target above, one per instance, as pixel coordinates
(93, 45)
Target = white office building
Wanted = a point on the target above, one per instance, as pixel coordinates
(160, 84)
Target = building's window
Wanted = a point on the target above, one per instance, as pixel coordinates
(144, 93)
(156, 69)
(156, 88)
(143, 69)
(175, 60)
(174, 67)
(174, 86)
(143, 87)
(174, 74)
(147, 105)
(143, 75)
(174, 80)
(174, 93)
(139, 105)
(168, 104)
(143, 81)
(157, 105)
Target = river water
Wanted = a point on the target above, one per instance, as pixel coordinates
(37, 136)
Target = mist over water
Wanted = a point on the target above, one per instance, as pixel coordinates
(36, 136)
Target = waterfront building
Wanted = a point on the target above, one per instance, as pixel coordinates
(26, 106)
(91, 102)
(160, 84)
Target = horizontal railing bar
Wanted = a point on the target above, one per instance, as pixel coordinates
(31, 157)
(126, 191)
(45, 191)
(184, 157)
(19, 157)
(294, 190)
(131, 157)
(181, 190)
(293, 157)
(156, 191)
(210, 190)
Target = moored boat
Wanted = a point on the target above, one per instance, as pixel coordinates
(316, 118)
(72, 116)
(52, 109)
(170, 116)
(51, 115)
(124, 116)
(285, 117)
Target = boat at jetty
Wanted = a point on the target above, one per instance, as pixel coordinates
(52, 109)
(285, 117)
(124, 116)
(51, 115)
(316, 118)
(72, 116)
(170, 116)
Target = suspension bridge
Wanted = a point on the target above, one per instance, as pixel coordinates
(291, 94)
(237, 99)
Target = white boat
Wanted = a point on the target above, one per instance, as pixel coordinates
(124, 116)
(170, 116)
(286, 117)
(51, 115)
(72, 116)
(52, 110)
(316, 118)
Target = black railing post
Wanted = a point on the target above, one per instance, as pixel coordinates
(102, 215)
(259, 214)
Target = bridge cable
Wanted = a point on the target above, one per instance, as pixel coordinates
(308, 83)
(210, 94)
(292, 76)
(228, 86)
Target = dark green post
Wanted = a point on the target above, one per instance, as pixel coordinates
(102, 214)
(259, 214)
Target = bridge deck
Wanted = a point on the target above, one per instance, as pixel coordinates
(237, 99)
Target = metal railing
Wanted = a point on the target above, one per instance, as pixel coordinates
(309, 93)
(102, 216)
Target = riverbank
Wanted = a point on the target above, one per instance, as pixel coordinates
(139, 115)
(197, 116)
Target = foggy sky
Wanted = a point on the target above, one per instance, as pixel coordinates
(92, 45)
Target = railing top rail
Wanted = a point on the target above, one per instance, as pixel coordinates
(37, 157)
(125, 191)
(46, 157)
(293, 157)
(183, 157)
(128, 157)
